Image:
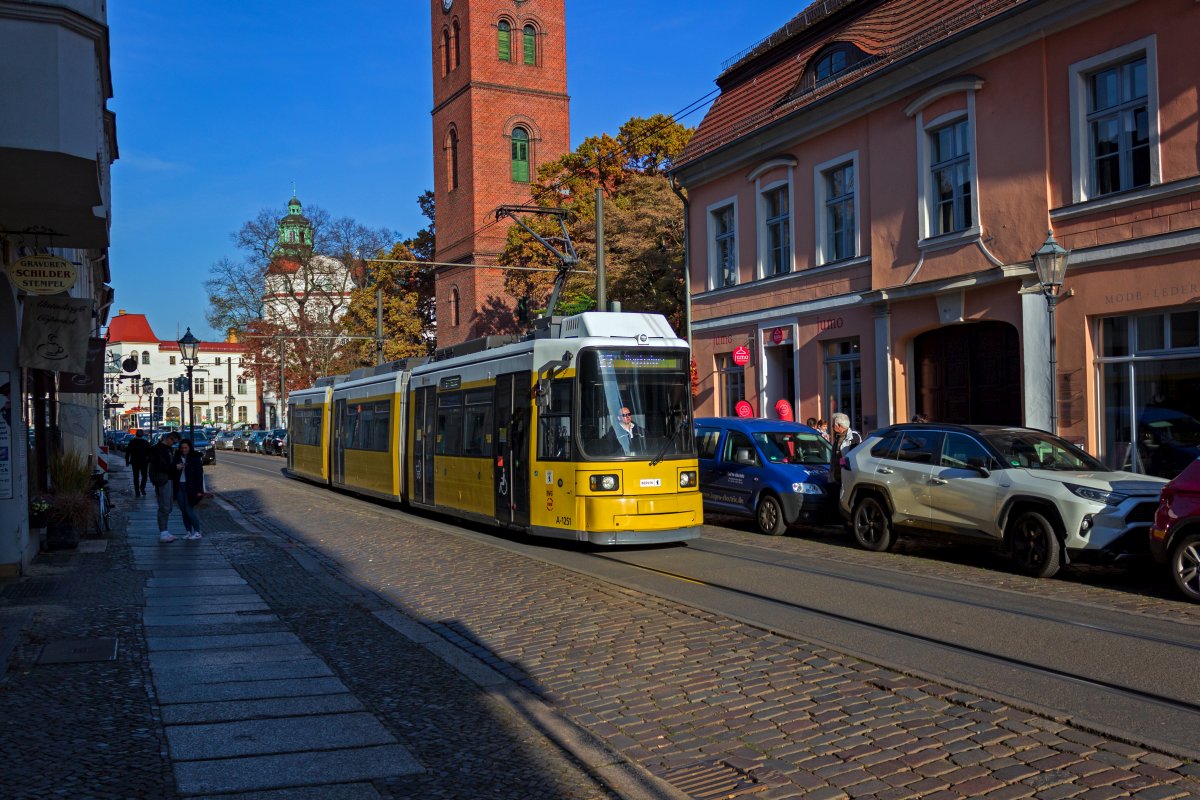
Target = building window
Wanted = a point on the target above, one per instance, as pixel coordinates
(520, 155)
(504, 43)
(172, 360)
(445, 51)
(530, 45)
(456, 38)
(452, 160)
(241, 413)
(778, 220)
(454, 306)
(145, 356)
(950, 178)
(723, 265)
(134, 355)
(843, 381)
(731, 384)
(241, 384)
(831, 64)
(218, 361)
(218, 386)
(198, 386)
(219, 414)
(837, 224)
(1118, 128)
(1150, 414)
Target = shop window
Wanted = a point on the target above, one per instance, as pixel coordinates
(777, 245)
(843, 380)
(731, 384)
(1150, 414)
(722, 245)
(1114, 121)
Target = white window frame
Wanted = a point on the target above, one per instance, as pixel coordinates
(714, 266)
(925, 192)
(764, 247)
(820, 197)
(1082, 180)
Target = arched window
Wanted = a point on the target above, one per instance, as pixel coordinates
(446, 51)
(454, 306)
(530, 44)
(520, 155)
(145, 356)
(829, 63)
(452, 159)
(504, 40)
(457, 45)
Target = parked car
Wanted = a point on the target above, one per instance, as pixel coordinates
(275, 442)
(1042, 498)
(239, 440)
(1175, 535)
(206, 447)
(224, 440)
(254, 444)
(773, 472)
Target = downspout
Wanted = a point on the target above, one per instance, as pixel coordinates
(687, 261)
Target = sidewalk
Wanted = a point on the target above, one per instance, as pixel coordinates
(235, 666)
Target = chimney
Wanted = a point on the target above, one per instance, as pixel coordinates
(121, 313)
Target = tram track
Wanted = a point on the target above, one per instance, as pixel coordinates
(1086, 691)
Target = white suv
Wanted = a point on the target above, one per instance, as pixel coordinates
(1041, 497)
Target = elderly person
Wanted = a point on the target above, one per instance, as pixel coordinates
(843, 438)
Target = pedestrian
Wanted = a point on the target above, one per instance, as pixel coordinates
(920, 418)
(823, 429)
(811, 422)
(844, 438)
(137, 456)
(161, 468)
(189, 486)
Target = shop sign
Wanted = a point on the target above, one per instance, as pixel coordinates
(43, 274)
(830, 324)
(6, 450)
(783, 410)
(741, 356)
(777, 335)
(744, 409)
(91, 380)
(55, 334)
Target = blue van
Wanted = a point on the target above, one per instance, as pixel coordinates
(772, 471)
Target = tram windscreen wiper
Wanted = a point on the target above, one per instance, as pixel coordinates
(674, 416)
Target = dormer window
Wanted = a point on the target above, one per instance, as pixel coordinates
(829, 63)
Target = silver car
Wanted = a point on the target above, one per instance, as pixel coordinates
(1043, 499)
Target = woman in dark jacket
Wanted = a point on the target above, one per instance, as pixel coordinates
(189, 486)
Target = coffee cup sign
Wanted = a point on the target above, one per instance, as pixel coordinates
(43, 274)
(741, 356)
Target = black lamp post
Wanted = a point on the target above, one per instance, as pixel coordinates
(189, 348)
(1051, 263)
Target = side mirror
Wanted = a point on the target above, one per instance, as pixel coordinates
(980, 465)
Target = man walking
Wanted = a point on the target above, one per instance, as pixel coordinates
(161, 467)
(843, 439)
(137, 455)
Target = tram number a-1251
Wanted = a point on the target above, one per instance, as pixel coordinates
(562, 521)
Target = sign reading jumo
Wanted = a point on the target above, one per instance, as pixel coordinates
(43, 274)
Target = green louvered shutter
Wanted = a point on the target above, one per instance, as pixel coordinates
(520, 155)
(530, 45)
(505, 41)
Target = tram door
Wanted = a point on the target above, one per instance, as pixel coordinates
(511, 465)
(424, 444)
(338, 442)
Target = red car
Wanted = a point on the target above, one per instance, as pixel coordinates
(1175, 535)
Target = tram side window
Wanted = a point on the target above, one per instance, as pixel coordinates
(477, 424)
(367, 426)
(306, 427)
(555, 441)
(450, 424)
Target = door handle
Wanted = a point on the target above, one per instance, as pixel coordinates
(938, 482)
(883, 470)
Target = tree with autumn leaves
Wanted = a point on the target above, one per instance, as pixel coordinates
(643, 222)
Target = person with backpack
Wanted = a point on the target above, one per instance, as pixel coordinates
(161, 470)
(137, 456)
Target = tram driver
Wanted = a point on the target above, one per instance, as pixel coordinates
(626, 437)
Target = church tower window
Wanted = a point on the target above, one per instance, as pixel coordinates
(530, 45)
(452, 158)
(446, 51)
(520, 155)
(504, 40)
(454, 36)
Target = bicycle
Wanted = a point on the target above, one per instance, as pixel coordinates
(103, 503)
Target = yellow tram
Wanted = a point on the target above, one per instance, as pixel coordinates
(582, 431)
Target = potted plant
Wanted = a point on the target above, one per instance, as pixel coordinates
(39, 515)
(73, 509)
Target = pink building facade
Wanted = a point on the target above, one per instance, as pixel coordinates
(866, 194)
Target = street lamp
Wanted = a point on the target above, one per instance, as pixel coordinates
(1051, 263)
(189, 348)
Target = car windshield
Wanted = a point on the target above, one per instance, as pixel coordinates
(635, 403)
(1036, 450)
(793, 447)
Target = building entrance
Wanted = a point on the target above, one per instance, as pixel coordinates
(969, 374)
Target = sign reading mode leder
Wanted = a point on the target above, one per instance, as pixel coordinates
(43, 274)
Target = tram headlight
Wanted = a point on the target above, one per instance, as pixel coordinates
(687, 479)
(604, 483)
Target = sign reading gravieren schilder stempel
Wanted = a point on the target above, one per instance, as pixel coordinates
(43, 274)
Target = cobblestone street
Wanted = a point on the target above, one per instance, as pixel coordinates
(691, 695)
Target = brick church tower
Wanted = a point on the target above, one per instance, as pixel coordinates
(500, 109)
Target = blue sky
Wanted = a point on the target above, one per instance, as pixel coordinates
(219, 109)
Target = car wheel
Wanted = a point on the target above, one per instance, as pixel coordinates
(872, 524)
(1185, 566)
(769, 516)
(1033, 544)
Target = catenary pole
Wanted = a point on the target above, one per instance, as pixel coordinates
(601, 288)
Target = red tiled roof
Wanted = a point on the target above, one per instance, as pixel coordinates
(753, 97)
(130, 328)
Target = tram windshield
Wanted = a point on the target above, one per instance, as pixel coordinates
(635, 404)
